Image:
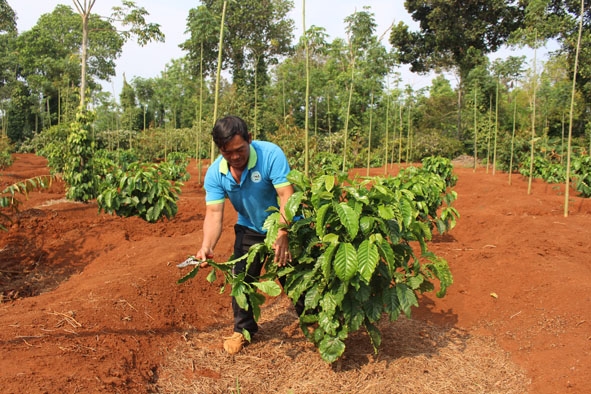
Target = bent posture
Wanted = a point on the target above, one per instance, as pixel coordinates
(253, 176)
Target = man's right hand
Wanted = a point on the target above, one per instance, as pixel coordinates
(202, 255)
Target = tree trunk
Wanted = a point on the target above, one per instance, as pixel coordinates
(84, 9)
(459, 116)
(307, 97)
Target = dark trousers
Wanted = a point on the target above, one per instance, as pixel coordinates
(245, 238)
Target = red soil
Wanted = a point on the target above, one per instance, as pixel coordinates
(90, 301)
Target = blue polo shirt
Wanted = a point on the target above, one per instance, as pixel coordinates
(266, 170)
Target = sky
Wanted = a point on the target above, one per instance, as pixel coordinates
(150, 60)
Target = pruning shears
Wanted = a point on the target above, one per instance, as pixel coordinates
(189, 261)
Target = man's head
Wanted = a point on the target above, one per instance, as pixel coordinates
(226, 128)
(231, 136)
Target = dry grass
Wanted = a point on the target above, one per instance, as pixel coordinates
(415, 357)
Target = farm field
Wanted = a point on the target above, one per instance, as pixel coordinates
(90, 304)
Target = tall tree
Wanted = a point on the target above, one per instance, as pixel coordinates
(7, 59)
(201, 46)
(369, 64)
(47, 54)
(555, 92)
(20, 119)
(84, 11)
(506, 72)
(133, 22)
(256, 34)
(559, 20)
(286, 95)
(7, 18)
(455, 35)
(144, 89)
(437, 110)
(132, 115)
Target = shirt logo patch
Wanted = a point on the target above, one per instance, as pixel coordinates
(255, 177)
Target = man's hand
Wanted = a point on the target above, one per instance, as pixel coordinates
(202, 255)
(281, 247)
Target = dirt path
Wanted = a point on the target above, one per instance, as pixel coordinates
(90, 303)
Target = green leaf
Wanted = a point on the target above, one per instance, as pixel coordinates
(391, 303)
(440, 269)
(292, 205)
(268, 287)
(367, 259)
(331, 239)
(211, 277)
(320, 218)
(366, 224)
(190, 275)
(272, 226)
(239, 290)
(298, 179)
(331, 349)
(345, 261)
(373, 309)
(349, 218)
(260, 249)
(362, 292)
(326, 261)
(353, 313)
(328, 322)
(312, 297)
(297, 283)
(407, 211)
(328, 304)
(256, 300)
(355, 193)
(329, 182)
(415, 282)
(406, 297)
(386, 212)
(374, 336)
(385, 192)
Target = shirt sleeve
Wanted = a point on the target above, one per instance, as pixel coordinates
(214, 191)
(279, 168)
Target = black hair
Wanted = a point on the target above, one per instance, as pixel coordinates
(226, 128)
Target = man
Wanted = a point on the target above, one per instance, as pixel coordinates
(253, 176)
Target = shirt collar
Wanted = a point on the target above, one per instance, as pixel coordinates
(252, 161)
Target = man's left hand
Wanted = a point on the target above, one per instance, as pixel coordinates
(281, 246)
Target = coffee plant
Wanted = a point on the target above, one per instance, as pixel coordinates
(77, 169)
(9, 201)
(352, 247)
(147, 190)
(442, 167)
(581, 171)
(5, 156)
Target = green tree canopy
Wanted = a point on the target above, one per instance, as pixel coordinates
(257, 34)
(563, 19)
(49, 53)
(7, 18)
(7, 37)
(454, 34)
(130, 17)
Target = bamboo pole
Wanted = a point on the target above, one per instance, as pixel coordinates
(572, 105)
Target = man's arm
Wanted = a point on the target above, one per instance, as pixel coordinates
(281, 245)
(212, 230)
